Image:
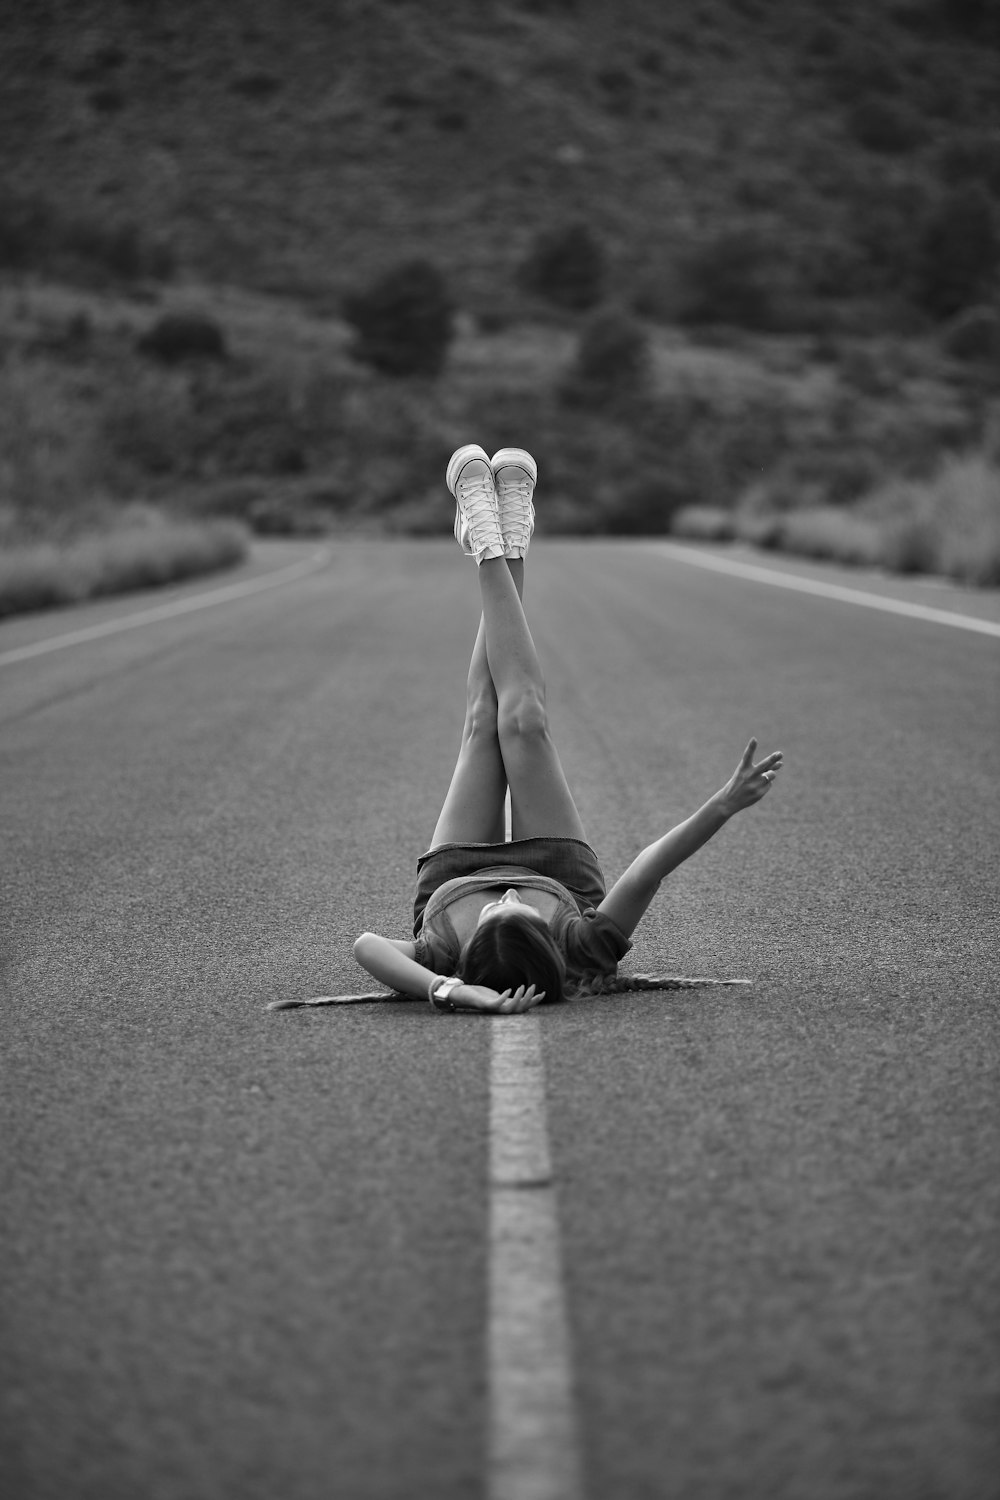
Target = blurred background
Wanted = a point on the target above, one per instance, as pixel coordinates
(729, 268)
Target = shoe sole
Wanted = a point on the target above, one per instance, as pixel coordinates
(460, 458)
(513, 458)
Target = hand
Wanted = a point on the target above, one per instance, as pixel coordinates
(750, 782)
(509, 1002)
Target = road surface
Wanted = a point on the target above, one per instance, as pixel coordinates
(246, 1253)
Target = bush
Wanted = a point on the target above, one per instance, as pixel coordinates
(106, 99)
(957, 251)
(704, 523)
(885, 125)
(567, 267)
(974, 336)
(646, 507)
(183, 335)
(978, 20)
(404, 321)
(882, 215)
(948, 523)
(727, 280)
(861, 68)
(973, 156)
(832, 533)
(612, 361)
(618, 88)
(143, 551)
(259, 85)
(35, 236)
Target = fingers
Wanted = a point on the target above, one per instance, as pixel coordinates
(521, 999)
(770, 762)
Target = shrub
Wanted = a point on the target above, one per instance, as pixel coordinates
(178, 336)
(646, 507)
(703, 523)
(974, 336)
(35, 235)
(948, 523)
(727, 280)
(567, 267)
(885, 125)
(140, 552)
(107, 99)
(277, 515)
(763, 530)
(404, 321)
(25, 226)
(612, 361)
(977, 19)
(116, 247)
(957, 251)
(618, 89)
(833, 533)
(861, 67)
(256, 85)
(882, 218)
(971, 156)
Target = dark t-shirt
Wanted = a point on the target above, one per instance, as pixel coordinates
(589, 941)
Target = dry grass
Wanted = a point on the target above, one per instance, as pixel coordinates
(946, 524)
(290, 436)
(704, 523)
(837, 534)
(734, 189)
(143, 550)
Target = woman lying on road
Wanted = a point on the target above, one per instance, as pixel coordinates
(499, 926)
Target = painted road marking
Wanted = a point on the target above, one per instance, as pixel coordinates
(823, 590)
(166, 611)
(533, 1451)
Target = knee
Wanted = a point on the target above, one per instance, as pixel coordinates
(481, 716)
(524, 714)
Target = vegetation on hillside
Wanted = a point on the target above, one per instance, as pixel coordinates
(732, 267)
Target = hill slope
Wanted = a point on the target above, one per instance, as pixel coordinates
(290, 147)
(790, 201)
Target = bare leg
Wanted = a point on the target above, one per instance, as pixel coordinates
(541, 802)
(473, 810)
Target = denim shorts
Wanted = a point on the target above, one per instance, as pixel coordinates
(570, 861)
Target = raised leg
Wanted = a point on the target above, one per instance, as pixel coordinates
(541, 802)
(473, 809)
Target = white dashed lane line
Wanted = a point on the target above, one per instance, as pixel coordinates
(534, 1452)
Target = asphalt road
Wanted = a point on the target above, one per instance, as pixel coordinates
(244, 1252)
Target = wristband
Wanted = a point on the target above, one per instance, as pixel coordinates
(440, 988)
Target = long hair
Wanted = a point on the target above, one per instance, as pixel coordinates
(503, 955)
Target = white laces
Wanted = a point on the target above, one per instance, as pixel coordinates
(477, 496)
(519, 490)
(479, 531)
(516, 511)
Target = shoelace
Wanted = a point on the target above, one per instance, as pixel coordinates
(516, 506)
(477, 500)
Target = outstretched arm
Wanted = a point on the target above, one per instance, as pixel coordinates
(629, 897)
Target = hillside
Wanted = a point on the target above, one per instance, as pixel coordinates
(791, 202)
(291, 147)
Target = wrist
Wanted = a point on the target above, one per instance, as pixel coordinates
(722, 806)
(441, 991)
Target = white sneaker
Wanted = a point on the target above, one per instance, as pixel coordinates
(515, 473)
(477, 516)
